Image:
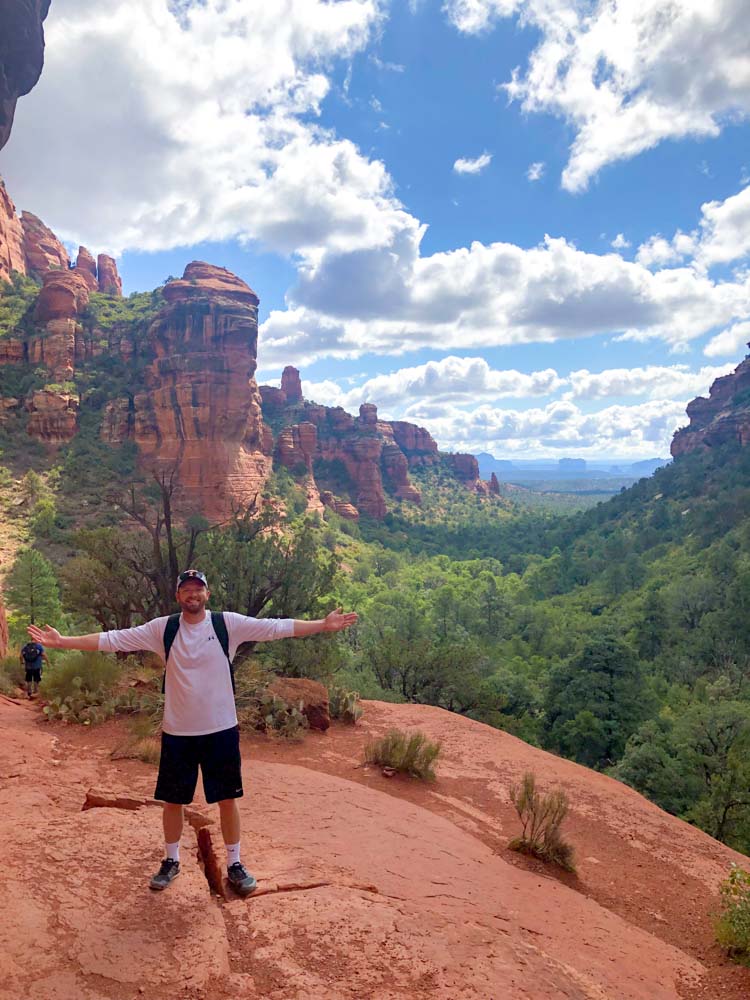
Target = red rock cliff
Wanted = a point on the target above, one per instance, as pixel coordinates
(21, 54)
(722, 418)
(41, 247)
(200, 411)
(12, 257)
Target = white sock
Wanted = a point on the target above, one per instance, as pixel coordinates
(173, 851)
(233, 854)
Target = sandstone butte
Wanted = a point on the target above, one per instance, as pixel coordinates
(200, 412)
(368, 887)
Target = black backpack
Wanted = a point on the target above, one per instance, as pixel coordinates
(31, 652)
(220, 629)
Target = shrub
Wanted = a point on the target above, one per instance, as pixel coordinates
(344, 705)
(97, 674)
(733, 924)
(12, 674)
(541, 817)
(406, 753)
(262, 711)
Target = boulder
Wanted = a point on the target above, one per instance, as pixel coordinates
(53, 416)
(312, 694)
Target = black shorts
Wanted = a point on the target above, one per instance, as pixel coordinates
(33, 674)
(217, 754)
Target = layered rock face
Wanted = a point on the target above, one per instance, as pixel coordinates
(200, 412)
(21, 54)
(723, 418)
(53, 416)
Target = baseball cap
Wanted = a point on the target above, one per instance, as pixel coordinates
(191, 574)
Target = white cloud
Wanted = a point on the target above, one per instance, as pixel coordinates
(475, 166)
(620, 243)
(657, 382)
(626, 75)
(729, 342)
(558, 429)
(177, 131)
(722, 236)
(535, 171)
(725, 229)
(391, 300)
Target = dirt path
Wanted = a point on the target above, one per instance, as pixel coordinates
(368, 887)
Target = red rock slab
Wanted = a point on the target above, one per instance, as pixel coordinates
(12, 257)
(291, 384)
(311, 694)
(109, 281)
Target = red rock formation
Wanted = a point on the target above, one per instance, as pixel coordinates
(465, 467)
(396, 468)
(41, 247)
(202, 281)
(3, 630)
(340, 507)
(291, 385)
(296, 445)
(11, 351)
(64, 295)
(53, 416)
(21, 54)
(368, 415)
(416, 443)
(108, 279)
(200, 410)
(86, 268)
(118, 422)
(494, 486)
(722, 418)
(272, 399)
(12, 257)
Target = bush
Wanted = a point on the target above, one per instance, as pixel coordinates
(344, 705)
(12, 674)
(262, 711)
(406, 753)
(97, 673)
(733, 925)
(541, 817)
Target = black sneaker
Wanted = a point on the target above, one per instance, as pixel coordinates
(240, 879)
(167, 873)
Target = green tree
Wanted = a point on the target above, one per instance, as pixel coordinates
(595, 701)
(32, 589)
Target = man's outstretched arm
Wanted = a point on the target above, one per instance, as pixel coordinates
(51, 638)
(333, 622)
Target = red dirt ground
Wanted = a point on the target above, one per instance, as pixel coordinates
(369, 887)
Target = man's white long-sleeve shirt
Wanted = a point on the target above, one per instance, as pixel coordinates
(198, 697)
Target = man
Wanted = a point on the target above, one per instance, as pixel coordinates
(32, 655)
(199, 728)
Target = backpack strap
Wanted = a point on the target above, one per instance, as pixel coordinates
(220, 628)
(170, 631)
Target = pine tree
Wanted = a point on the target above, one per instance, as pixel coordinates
(32, 589)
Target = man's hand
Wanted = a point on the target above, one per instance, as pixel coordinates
(47, 636)
(336, 620)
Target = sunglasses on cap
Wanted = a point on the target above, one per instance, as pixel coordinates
(191, 574)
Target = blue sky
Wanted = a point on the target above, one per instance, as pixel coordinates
(563, 291)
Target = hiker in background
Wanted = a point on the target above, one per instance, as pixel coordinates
(200, 727)
(31, 656)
